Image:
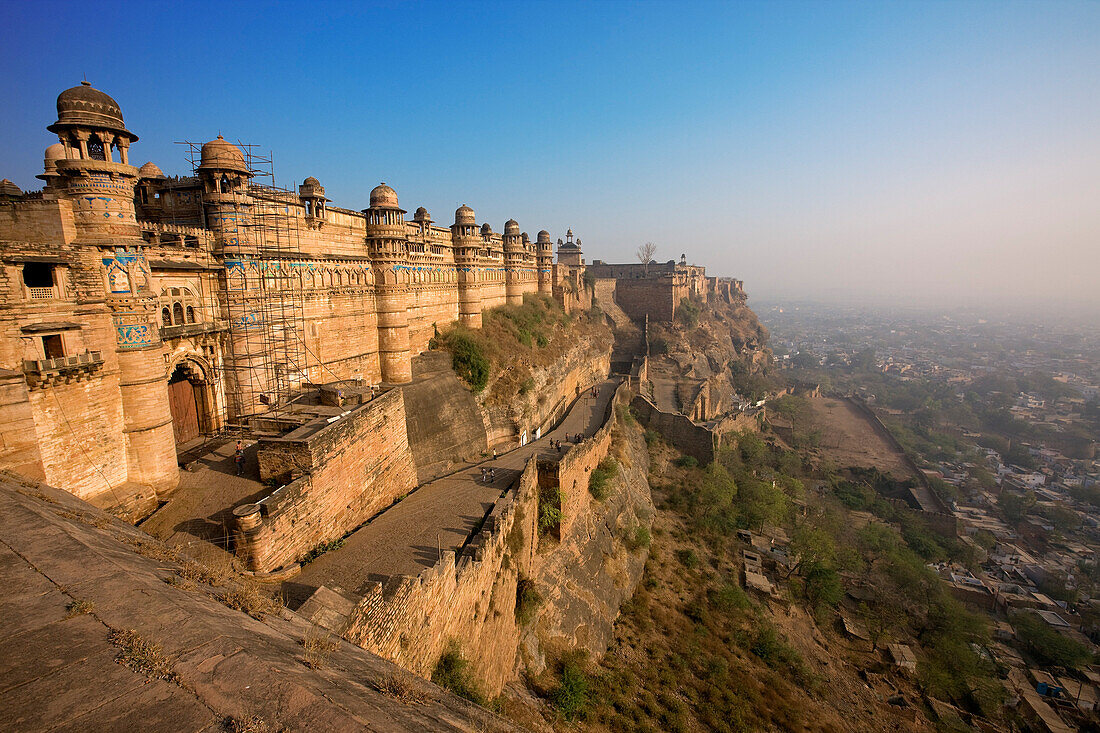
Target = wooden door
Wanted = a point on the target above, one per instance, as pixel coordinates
(185, 413)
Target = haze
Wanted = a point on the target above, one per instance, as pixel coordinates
(928, 153)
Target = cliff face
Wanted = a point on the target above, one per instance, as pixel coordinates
(713, 355)
(598, 563)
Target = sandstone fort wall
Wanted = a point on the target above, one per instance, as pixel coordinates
(693, 440)
(351, 469)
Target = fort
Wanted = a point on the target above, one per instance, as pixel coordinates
(147, 321)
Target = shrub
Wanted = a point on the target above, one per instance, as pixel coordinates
(597, 482)
(452, 672)
(79, 607)
(468, 359)
(570, 696)
(637, 538)
(549, 509)
(728, 598)
(651, 437)
(687, 462)
(318, 645)
(688, 558)
(528, 600)
(1048, 646)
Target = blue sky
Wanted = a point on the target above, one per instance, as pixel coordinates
(913, 152)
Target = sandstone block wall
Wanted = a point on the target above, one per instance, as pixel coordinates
(353, 468)
(693, 440)
(572, 473)
(649, 297)
(469, 599)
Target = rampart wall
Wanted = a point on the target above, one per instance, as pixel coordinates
(697, 441)
(468, 598)
(349, 470)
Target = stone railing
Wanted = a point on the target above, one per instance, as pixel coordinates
(180, 229)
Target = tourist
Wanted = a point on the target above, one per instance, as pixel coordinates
(239, 459)
(484, 475)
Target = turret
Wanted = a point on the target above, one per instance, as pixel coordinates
(312, 194)
(388, 248)
(544, 256)
(466, 240)
(569, 252)
(225, 176)
(513, 263)
(94, 174)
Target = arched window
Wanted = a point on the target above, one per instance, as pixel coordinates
(225, 184)
(177, 313)
(165, 316)
(95, 149)
(190, 314)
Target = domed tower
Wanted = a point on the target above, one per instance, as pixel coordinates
(95, 175)
(544, 254)
(101, 188)
(389, 251)
(312, 194)
(225, 176)
(569, 253)
(513, 263)
(49, 172)
(466, 240)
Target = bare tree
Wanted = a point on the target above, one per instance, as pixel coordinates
(645, 255)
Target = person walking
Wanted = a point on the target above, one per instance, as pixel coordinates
(484, 475)
(239, 459)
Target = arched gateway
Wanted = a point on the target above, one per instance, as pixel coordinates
(189, 399)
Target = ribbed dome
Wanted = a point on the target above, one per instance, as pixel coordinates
(544, 237)
(465, 215)
(511, 227)
(54, 152)
(486, 230)
(7, 188)
(86, 106)
(421, 215)
(220, 154)
(383, 197)
(311, 181)
(151, 170)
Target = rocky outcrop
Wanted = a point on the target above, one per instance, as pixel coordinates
(597, 565)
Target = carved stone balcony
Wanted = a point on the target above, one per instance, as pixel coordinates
(41, 373)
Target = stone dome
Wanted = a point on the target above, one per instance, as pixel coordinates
(486, 230)
(311, 181)
(421, 214)
(151, 170)
(85, 106)
(7, 188)
(383, 197)
(54, 152)
(544, 237)
(511, 227)
(465, 215)
(220, 154)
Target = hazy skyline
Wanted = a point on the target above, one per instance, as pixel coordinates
(939, 153)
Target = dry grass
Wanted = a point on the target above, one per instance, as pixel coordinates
(247, 597)
(79, 607)
(251, 724)
(144, 657)
(400, 688)
(319, 644)
(198, 572)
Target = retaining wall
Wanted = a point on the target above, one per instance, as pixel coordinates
(697, 441)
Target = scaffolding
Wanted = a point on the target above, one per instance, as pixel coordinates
(260, 294)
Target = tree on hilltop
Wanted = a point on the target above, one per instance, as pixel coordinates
(645, 255)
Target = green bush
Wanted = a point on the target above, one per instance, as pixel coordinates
(1047, 645)
(728, 598)
(687, 462)
(528, 600)
(651, 437)
(467, 357)
(549, 509)
(452, 672)
(688, 558)
(570, 696)
(637, 538)
(597, 482)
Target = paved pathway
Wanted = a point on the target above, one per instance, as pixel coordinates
(440, 515)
